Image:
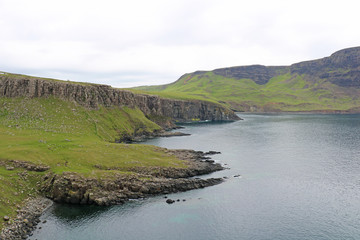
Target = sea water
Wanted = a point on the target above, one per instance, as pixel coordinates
(299, 179)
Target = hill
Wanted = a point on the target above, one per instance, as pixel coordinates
(330, 84)
(62, 140)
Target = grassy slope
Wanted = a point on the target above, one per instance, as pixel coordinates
(21, 76)
(285, 92)
(67, 137)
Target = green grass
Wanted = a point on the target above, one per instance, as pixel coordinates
(168, 93)
(69, 138)
(285, 92)
(16, 185)
(21, 76)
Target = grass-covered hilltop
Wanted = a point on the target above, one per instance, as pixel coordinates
(63, 140)
(331, 84)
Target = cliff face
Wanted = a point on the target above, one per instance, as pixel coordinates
(93, 96)
(341, 68)
(258, 73)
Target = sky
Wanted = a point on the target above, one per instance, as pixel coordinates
(141, 42)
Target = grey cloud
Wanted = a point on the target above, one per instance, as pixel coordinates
(153, 42)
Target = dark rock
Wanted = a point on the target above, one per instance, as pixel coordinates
(170, 201)
(212, 153)
(171, 134)
(6, 218)
(258, 73)
(341, 68)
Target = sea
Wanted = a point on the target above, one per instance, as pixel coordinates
(288, 177)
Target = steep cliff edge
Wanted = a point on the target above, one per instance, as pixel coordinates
(93, 96)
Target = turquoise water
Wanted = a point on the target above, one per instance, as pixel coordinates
(300, 179)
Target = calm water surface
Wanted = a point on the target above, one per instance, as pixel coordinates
(300, 179)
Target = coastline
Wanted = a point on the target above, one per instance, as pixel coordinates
(324, 112)
(26, 220)
(72, 188)
(145, 181)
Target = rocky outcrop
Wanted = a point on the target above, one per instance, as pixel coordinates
(197, 161)
(341, 68)
(11, 164)
(75, 189)
(92, 96)
(258, 73)
(71, 188)
(117, 188)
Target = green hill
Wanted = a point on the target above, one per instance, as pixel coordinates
(71, 130)
(67, 138)
(330, 84)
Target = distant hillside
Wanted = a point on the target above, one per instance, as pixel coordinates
(330, 84)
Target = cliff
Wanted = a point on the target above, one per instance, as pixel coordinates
(342, 68)
(93, 95)
(258, 73)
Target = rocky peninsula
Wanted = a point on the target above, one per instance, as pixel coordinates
(66, 141)
(144, 182)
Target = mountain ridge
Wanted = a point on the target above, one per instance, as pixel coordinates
(329, 84)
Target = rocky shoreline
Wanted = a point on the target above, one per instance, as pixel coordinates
(143, 136)
(144, 182)
(162, 133)
(117, 189)
(27, 218)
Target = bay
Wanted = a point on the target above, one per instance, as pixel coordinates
(300, 179)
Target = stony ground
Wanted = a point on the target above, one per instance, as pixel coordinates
(26, 220)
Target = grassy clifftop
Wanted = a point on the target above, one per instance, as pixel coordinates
(61, 140)
(329, 84)
(68, 137)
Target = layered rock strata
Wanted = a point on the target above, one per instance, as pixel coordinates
(93, 95)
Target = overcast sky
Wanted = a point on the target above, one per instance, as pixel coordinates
(147, 42)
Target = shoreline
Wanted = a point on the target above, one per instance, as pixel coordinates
(146, 182)
(340, 112)
(26, 220)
